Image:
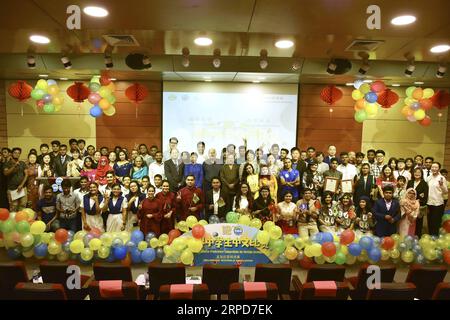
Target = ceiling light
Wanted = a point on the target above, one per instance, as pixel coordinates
(206, 77)
(39, 39)
(185, 60)
(208, 80)
(295, 66)
(261, 78)
(367, 81)
(63, 79)
(203, 41)
(112, 79)
(256, 81)
(396, 85)
(331, 67)
(284, 44)
(216, 60)
(440, 73)
(419, 82)
(349, 84)
(263, 63)
(440, 48)
(146, 62)
(66, 62)
(403, 20)
(97, 12)
(43, 76)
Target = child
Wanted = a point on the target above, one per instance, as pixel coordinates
(125, 187)
(145, 183)
(400, 189)
(327, 213)
(364, 219)
(47, 210)
(346, 213)
(67, 205)
(116, 206)
(91, 213)
(409, 207)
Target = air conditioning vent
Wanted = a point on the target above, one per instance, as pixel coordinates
(364, 45)
(121, 40)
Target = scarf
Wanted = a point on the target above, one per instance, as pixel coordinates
(102, 169)
(409, 205)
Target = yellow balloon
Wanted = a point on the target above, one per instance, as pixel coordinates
(168, 250)
(385, 255)
(364, 89)
(371, 109)
(38, 227)
(86, 254)
(350, 259)
(28, 253)
(191, 221)
(419, 114)
(76, 246)
(195, 245)
(244, 219)
(53, 90)
(182, 226)
(357, 95)
(30, 212)
(57, 108)
(394, 253)
(289, 240)
(179, 244)
(164, 238)
(396, 237)
(344, 249)
(80, 235)
(268, 225)
(103, 252)
(142, 245)
(299, 243)
(54, 247)
(187, 257)
(104, 92)
(125, 236)
(106, 239)
(62, 256)
(408, 256)
(57, 100)
(256, 223)
(42, 84)
(111, 87)
(26, 240)
(95, 244)
(291, 253)
(316, 249)
(104, 104)
(154, 242)
(275, 232)
(263, 237)
(319, 259)
(203, 222)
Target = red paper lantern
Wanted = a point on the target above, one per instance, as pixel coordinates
(105, 80)
(330, 94)
(136, 92)
(20, 90)
(78, 92)
(387, 98)
(441, 99)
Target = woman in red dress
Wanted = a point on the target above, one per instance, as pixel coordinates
(166, 200)
(149, 214)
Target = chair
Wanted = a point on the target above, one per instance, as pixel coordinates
(253, 291)
(39, 291)
(359, 283)
(426, 278)
(184, 292)
(11, 273)
(56, 272)
(218, 278)
(165, 273)
(281, 275)
(393, 291)
(442, 291)
(101, 290)
(326, 272)
(108, 271)
(320, 290)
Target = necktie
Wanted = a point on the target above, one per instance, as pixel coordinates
(428, 172)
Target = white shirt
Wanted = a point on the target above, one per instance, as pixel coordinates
(425, 173)
(435, 190)
(348, 172)
(125, 191)
(243, 203)
(104, 189)
(322, 167)
(154, 169)
(216, 196)
(114, 201)
(404, 173)
(80, 194)
(388, 204)
(201, 158)
(158, 190)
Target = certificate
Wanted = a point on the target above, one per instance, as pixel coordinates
(346, 186)
(331, 184)
(17, 194)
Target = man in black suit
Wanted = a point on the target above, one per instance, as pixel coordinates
(211, 169)
(60, 162)
(174, 171)
(216, 200)
(387, 213)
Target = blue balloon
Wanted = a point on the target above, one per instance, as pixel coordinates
(371, 97)
(130, 245)
(120, 252)
(354, 249)
(149, 236)
(96, 111)
(326, 237)
(117, 242)
(159, 253)
(14, 253)
(51, 82)
(316, 237)
(366, 242)
(148, 255)
(110, 258)
(40, 250)
(137, 236)
(375, 254)
(135, 255)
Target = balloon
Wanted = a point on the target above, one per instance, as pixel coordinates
(279, 246)
(47, 98)
(198, 231)
(42, 84)
(37, 94)
(26, 240)
(388, 243)
(409, 91)
(406, 111)
(111, 98)
(49, 108)
(371, 97)
(142, 245)
(371, 109)
(419, 114)
(426, 104)
(214, 219)
(21, 215)
(51, 82)
(110, 111)
(347, 236)
(394, 253)
(268, 225)
(53, 90)
(95, 111)
(275, 232)
(446, 226)
(94, 86)
(38, 227)
(23, 227)
(14, 253)
(319, 260)
(357, 95)
(4, 214)
(191, 221)
(76, 246)
(40, 250)
(378, 86)
(103, 252)
(182, 226)
(374, 254)
(326, 237)
(358, 83)
(137, 236)
(179, 243)
(244, 220)
(187, 257)
(328, 249)
(46, 237)
(61, 235)
(360, 104)
(427, 93)
(408, 256)
(95, 244)
(289, 240)
(195, 245)
(291, 253)
(366, 242)
(354, 249)
(120, 252)
(154, 242)
(174, 233)
(8, 226)
(316, 249)
(446, 256)
(411, 118)
(54, 247)
(94, 98)
(87, 238)
(364, 88)
(417, 93)
(340, 258)
(104, 92)
(86, 254)
(263, 237)
(135, 256)
(104, 104)
(360, 116)
(299, 243)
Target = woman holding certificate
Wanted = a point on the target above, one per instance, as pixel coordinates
(287, 215)
(327, 213)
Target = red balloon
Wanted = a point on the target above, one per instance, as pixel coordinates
(446, 226)
(198, 231)
(95, 232)
(425, 122)
(20, 90)
(387, 98)
(40, 103)
(446, 255)
(104, 80)
(426, 104)
(4, 214)
(331, 94)
(78, 92)
(174, 233)
(441, 99)
(61, 235)
(388, 243)
(136, 92)
(306, 262)
(378, 86)
(328, 249)
(347, 236)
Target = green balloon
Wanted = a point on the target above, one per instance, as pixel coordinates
(232, 217)
(279, 246)
(37, 94)
(94, 86)
(360, 116)
(37, 239)
(445, 217)
(340, 258)
(23, 227)
(111, 98)
(49, 108)
(8, 226)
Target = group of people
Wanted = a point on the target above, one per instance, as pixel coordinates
(114, 190)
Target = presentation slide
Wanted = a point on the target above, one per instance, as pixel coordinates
(226, 113)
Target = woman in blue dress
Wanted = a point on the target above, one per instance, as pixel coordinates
(122, 167)
(139, 170)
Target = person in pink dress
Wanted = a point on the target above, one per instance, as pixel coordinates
(409, 207)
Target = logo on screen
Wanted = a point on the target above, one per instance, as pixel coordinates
(238, 230)
(172, 97)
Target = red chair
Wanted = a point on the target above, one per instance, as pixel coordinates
(442, 291)
(165, 273)
(281, 275)
(56, 272)
(393, 291)
(113, 290)
(39, 291)
(109, 271)
(325, 290)
(359, 283)
(11, 273)
(253, 291)
(184, 292)
(218, 278)
(426, 278)
(326, 272)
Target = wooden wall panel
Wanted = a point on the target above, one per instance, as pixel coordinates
(3, 122)
(319, 128)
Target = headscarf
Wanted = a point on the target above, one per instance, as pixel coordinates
(409, 204)
(103, 167)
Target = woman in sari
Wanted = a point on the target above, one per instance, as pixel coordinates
(139, 170)
(122, 167)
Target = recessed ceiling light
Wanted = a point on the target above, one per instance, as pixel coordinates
(256, 81)
(403, 20)
(206, 77)
(112, 79)
(63, 79)
(203, 41)
(262, 78)
(440, 48)
(208, 80)
(367, 81)
(284, 44)
(43, 76)
(395, 85)
(36, 38)
(349, 84)
(97, 12)
(419, 82)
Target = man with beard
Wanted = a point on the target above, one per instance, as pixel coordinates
(189, 200)
(156, 167)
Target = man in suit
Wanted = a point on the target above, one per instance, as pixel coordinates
(387, 213)
(216, 200)
(174, 170)
(331, 154)
(60, 162)
(211, 169)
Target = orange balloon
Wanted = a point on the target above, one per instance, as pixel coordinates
(21, 215)
(104, 104)
(406, 111)
(417, 93)
(361, 103)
